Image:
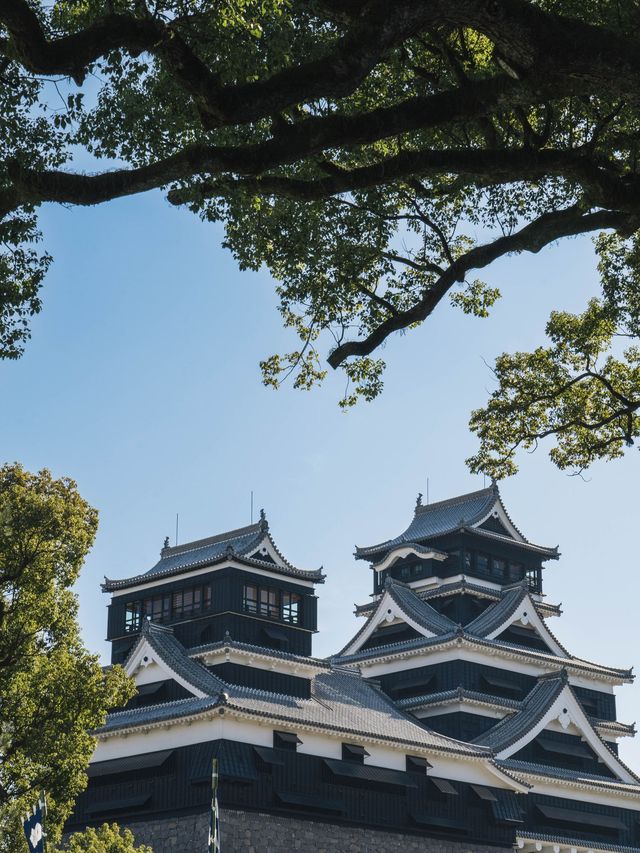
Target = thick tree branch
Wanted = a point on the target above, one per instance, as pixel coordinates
(531, 238)
(602, 187)
(529, 40)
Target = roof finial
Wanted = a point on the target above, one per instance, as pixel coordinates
(264, 524)
(419, 500)
(166, 542)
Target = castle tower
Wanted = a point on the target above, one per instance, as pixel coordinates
(453, 719)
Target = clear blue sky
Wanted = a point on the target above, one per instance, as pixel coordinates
(141, 381)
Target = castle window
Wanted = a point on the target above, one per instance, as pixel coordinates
(286, 740)
(184, 602)
(291, 607)
(250, 598)
(132, 616)
(353, 753)
(417, 765)
(515, 571)
(482, 563)
(272, 603)
(497, 567)
(158, 608)
(534, 579)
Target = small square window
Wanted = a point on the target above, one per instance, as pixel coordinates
(250, 601)
(286, 740)
(354, 753)
(516, 571)
(418, 765)
(497, 567)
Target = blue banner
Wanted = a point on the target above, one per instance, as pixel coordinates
(33, 825)
(214, 825)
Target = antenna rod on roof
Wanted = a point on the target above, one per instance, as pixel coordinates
(251, 506)
(177, 528)
(427, 491)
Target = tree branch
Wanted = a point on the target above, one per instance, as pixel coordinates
(531, 238)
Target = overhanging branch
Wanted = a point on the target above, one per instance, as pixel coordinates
(531, 238)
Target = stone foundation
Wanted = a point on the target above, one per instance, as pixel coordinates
(253, 832)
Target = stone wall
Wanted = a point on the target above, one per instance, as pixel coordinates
(253, 832)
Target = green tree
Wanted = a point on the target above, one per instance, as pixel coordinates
(108, 838)
(53, 691)
(354, 147)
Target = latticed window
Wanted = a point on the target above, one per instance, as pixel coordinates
(534, 579)
(516, 571)
(497, 567)
(132, 616)
(272, 603)
(291, 602)
(250, 599)
(163, 608)
(158, 608)
(192, 600)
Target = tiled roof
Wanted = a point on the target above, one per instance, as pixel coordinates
(345, 702)
(511, 729)
(200, 651)
(170, 650)
(438, 519)
(443, 590)
(149, 714)
(419, 549)
(459, 694)
(496, 614)
(340, 701)
(528, 835)
(413, 607)
(516, 766)
(241, 543)
(534, 707)
(510, 649)
(417, 610)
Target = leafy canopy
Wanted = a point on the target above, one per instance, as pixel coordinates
(108, 838)
(357, 148)
(53, 691)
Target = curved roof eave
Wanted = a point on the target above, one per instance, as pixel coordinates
(314, 575)
(462, 512)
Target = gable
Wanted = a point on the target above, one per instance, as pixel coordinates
(495, 525)
(565, 715)
(523, 626)
(498, 521)
(564, 750)
(155, 692)
(384, 634)
(268, 553)
(525, 635)
(399, 606)
(146, 666)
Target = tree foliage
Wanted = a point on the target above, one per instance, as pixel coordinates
(374, 156)
(53, 691)
(108, 838)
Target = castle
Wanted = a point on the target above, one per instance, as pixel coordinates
(454, 720)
